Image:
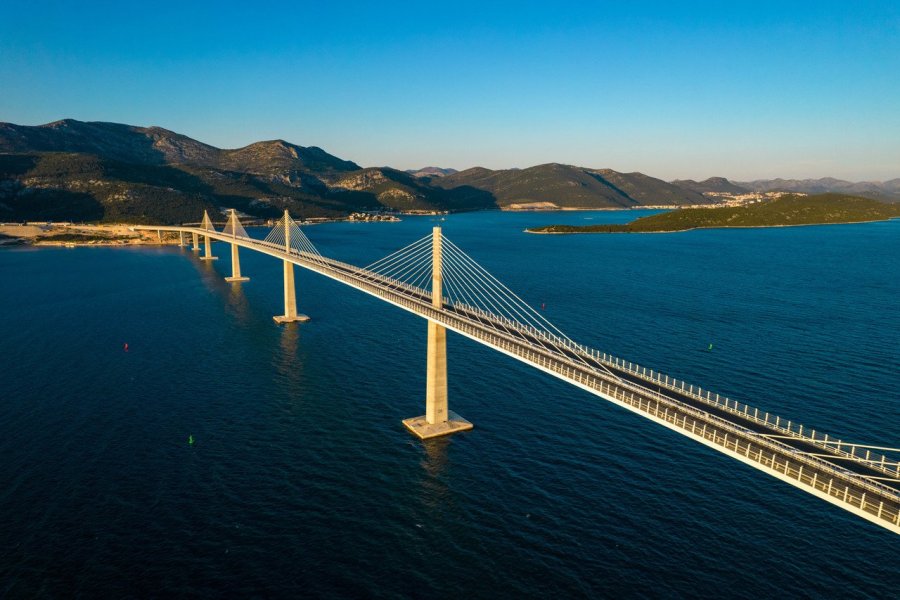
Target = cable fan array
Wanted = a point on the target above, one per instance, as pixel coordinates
(299, 243)
(409, 267)
(206, 223)
(471, 291)
(234, 228)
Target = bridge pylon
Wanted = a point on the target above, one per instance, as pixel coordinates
(438, 419)
(290, 295)
(207, 244)
(234, 226)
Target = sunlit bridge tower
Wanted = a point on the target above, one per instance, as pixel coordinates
(290, 295)
(235, 230)
(438, 419)
(207, 225)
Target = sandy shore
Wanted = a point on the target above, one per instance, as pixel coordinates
(67, 234)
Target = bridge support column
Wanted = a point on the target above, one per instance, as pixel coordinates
(207, 249)
(195, 239)
(236, 266)
(438, 418)
(290, 295)
(181, 243)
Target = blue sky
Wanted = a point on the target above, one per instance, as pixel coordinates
(675, 90)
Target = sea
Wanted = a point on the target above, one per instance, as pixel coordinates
(301, 481)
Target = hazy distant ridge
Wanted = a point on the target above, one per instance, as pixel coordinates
(716, 185)
(431, 172)
(873, 189)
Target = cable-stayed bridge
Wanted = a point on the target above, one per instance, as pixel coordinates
(435, 279)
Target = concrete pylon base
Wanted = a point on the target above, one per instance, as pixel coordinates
(237, 279)
(423, 430)
(209, 258)
(295, 319)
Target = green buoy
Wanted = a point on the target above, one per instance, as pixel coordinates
(709, 349)
(191, 440)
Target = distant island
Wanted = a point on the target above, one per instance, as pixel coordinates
(786, 211)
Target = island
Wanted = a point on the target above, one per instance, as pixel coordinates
(786, 211)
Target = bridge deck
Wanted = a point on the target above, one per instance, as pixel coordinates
(869, 489)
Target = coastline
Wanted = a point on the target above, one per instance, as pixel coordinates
(710, 227)
(43, 234)
(66, 235)
(40, 234)
(549, 209)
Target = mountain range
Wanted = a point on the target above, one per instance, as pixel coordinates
(875, 190)
(878, 190)
(431, 172)
(94, 171)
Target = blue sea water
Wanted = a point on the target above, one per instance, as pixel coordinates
(302, 482)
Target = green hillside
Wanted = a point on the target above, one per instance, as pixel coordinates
(71, 170)
(567, 186)
(784, 211)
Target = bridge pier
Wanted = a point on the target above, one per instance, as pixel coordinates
(207, 249)
(438, 419)
(234, 226)
(195, 239)
(290, 295)
(236, 266)
(181, 243)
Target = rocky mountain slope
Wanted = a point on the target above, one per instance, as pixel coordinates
(107, 171)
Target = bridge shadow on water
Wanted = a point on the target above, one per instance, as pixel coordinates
(238, 304)
(434, 465)
(234, 298)
(288, 362)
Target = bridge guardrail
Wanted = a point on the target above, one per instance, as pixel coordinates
(775, 422)
(777, 449)
(751, 439)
